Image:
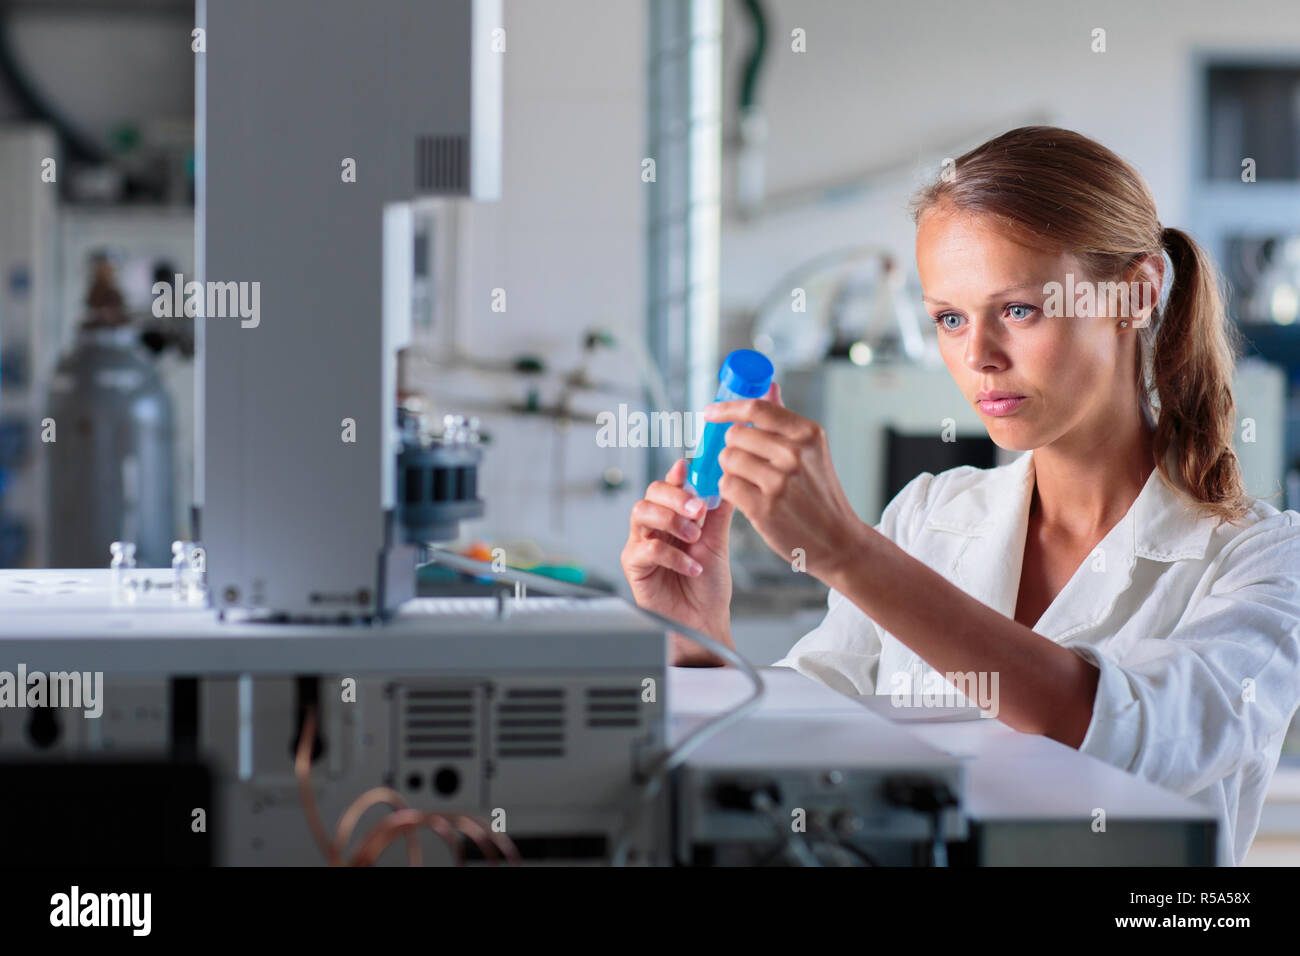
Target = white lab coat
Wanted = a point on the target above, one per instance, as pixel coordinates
(1195, 629)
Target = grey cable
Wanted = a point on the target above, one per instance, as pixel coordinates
(836, 850)
(841, 843)
(678, 754)
(795, 843)
(940, 849)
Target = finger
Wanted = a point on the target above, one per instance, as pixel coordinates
(744, 495)
(716, 525)
(648, 516)
(753, 469)
(760, 414)
(677, 473)
(722, 511)
(774, 395)
(675, 497)
(777, 449)
(657, 553)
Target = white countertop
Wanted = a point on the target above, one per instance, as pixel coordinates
(1010, 775)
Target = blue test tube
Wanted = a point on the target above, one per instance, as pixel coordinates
(745, 374)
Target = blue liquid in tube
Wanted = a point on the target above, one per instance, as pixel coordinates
(745, 374)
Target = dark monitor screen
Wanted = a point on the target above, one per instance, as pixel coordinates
(907, 455)
(106, 813)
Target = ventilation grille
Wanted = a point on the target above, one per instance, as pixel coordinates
(438, 724)
(530, 723)
(613, 707)
(442, 164)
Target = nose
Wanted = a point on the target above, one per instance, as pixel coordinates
(983, 348)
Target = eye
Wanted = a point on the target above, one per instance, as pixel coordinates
(943, 317)
(1028, 311)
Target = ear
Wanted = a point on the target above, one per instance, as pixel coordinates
(1145, 279)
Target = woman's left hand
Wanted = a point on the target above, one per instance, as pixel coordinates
(779, 475)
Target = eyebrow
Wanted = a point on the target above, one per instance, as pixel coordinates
(992, 295)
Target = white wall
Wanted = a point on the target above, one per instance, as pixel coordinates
(917, 81)
(565, 242)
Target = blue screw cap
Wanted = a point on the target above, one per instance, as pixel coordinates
(747, 373)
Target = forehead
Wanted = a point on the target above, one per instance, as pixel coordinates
(956, 246)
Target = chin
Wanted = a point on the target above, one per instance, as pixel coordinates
(1008, 440)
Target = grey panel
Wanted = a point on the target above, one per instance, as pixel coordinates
(293, 515)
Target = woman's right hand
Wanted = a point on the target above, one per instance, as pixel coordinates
(677, 564)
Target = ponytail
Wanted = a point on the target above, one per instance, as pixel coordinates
(1190, 357)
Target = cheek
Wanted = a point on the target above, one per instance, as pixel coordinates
(1069, 359)
(950, 352)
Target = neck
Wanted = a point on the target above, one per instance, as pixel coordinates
(1085, 484)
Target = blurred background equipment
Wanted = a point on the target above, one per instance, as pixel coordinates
(112, 475)
(850, 303)
(888, 423)
(28, 338)
(1244, 205)
(438, 479)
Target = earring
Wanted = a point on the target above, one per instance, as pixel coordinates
(1123, 325)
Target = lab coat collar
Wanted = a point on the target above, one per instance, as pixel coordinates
(994, 515)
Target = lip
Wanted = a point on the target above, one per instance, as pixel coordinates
(998, 407)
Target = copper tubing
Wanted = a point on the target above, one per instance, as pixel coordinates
(348, 822)
(403, 820)
(406, 821)
(502, 844)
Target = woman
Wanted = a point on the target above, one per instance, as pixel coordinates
(1127, 595)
